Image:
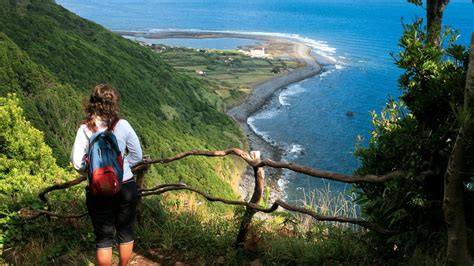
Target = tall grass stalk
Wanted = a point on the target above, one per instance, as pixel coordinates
(326, 202)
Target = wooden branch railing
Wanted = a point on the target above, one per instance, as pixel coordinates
(259, 175)
(278, 203)
(253, 160)
(281, 165)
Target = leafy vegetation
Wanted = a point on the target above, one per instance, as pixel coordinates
(26, 165)
(50, 106)
(417, 135)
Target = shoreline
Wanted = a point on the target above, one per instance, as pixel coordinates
(260, 94)
(254, 102)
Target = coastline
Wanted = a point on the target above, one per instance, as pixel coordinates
(255, 101)
(260, 94)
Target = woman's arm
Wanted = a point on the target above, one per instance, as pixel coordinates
(79, 149)
(133, 146)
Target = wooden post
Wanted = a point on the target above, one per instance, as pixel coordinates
(140, 174)
(259, 175)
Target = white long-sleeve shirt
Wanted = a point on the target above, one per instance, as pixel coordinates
(127, 140)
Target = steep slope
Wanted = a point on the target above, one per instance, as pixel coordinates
(52, 58)
(43, 97)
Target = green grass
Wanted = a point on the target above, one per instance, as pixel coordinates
(226, 71)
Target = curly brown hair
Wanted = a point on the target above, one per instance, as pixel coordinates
(103, 102)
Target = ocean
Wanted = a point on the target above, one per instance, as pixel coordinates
(353, 39)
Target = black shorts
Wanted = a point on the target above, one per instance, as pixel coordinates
(114, 216)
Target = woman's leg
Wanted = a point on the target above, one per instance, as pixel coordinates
(104, 256)
(125, 220)
(100, 210)
(125, 250)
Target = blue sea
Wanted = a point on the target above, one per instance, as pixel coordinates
(309, 120)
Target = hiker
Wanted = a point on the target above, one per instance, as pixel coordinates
(113, 213)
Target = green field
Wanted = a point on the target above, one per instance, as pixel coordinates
(230, 73)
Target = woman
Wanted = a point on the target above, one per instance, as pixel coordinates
(111, 215)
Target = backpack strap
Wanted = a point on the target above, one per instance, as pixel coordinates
(112, 127)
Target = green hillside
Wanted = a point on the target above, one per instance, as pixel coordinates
(52, 58)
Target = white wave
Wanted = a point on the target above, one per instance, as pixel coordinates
(283, 183)
(293, 151)
(263, 134)
(342, 57)
(282, 100)
(284, 180)
(264, 114)
(325, 73)
(296, 148)
(337, 66)
(291, 90)
(324, 58)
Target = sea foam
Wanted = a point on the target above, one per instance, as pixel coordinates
(325, 73)
(294, 150)
(284, 96)
(262, 115)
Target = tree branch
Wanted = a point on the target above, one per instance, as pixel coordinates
(234, 151)
(43, 194)
(247, 158)
(27, 214)
(255, 163)
(267, 162)
(331, 175)
(273, 208)
(30, 215)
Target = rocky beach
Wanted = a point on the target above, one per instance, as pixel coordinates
(258, 97)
